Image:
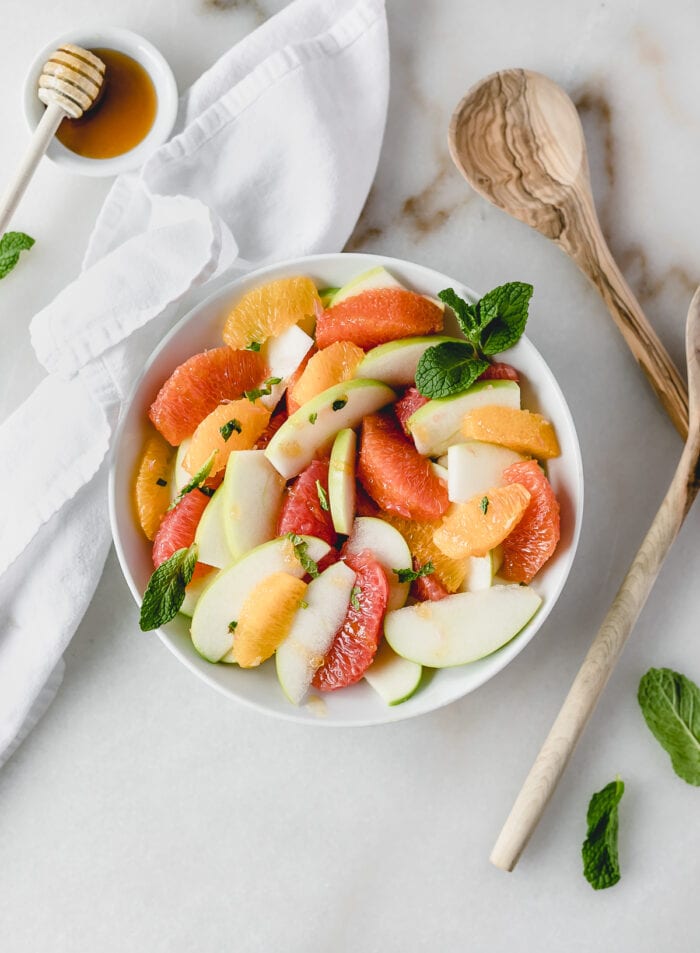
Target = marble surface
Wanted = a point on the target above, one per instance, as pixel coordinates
(147, 813)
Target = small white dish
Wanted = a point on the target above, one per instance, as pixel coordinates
(139, 49)
(359, 704)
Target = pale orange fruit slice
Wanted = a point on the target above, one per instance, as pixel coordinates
(419, 537)
(152, 486)
(482, 523)
(333, 365)
(235, 425)
(269, 310)
(266, 617)
(519, 430)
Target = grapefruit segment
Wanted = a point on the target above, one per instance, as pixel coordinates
(410, 402)
(482, 523)
(377, 316)
(536, 536)
(153, 484)
(427, 588)
(500, 371)
(395, 475)
(269, 310)
(196, 387)
(235, 425)
(519, 430)
(177, 530)
(303, 507)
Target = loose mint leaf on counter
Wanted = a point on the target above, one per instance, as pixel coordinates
(448, 369)
(670, 703)
(11, 244)
(165, 591)
(601, 866)
(503, 315)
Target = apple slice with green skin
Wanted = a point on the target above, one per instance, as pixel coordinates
(393, 678)
(341, 481)
(437, 425)
(395, 363)
(221, 602)
(370, 280)
(389, 548)
(462, 627)
(210, 535)
(475, 468)
(327, 599)
(317, 422)
(283, 355)
(251, 501)
(194, 591)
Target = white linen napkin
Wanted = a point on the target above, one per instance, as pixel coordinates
(274, 152)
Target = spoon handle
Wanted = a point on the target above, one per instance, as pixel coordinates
(43, 134)
(584, 241)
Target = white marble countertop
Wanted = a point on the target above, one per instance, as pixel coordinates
(146, 812)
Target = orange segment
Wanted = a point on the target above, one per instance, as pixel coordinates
(152, 487)
(266, 617)
(269, 310)
(477, 526)
(419, 537)
(332, 365)
(519, 430)
(235, 425)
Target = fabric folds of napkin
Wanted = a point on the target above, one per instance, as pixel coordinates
(273, 155)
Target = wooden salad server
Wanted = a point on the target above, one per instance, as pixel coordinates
(517, 139)
(70, 83)
(617, 625)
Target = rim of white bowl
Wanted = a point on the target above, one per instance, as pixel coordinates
(157, 67)
(501, 658)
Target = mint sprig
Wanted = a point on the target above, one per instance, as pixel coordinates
(263, 391)
(601, 865)
(196, 481)
(494, 324)
(301, 552)
(410, 575)
(165, 591)
(11, 244)
(670, 703)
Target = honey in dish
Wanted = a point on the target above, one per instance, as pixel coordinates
(121, 117)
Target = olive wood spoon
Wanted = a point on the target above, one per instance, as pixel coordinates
(517, 139)
(617, 625)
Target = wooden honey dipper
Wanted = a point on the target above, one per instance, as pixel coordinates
(71, 82)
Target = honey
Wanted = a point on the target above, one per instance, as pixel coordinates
(122, 116)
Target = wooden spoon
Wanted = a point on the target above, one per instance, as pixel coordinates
(517, 139)
(70, 83)
(617, 625)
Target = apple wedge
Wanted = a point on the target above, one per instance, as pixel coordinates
(327, 599)
(462, 627)
(395, 363)
(181, 477)
(390, 550)
(393, 678)
(474, 467)
(193, 592)
(251, 500)
(315, 424)
(210, 536)
(341, 481)
(480, 573)
(221, 602)
(370, 280)
(437, 425)
(283, 355)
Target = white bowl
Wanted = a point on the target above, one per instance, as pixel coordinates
(358, 704)
(139, 49)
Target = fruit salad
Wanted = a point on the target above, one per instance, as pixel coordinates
(344, 490)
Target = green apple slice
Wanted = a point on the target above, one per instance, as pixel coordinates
(327, 599)
(193, 592)
(462, 627)
(394, 678)
(315, 424)
(475, 468)
(283, 355)
(211, 535)
(437, 425)
(371, 280)
(221, 602)
(251, 500)
(341, 481)
(395, 363)
(390, 550)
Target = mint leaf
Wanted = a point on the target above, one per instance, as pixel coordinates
(232, 626)
(340, 403)
(165, 591)
(322, 496)
(670, 703)
(161, 482)
(465, 313)
(11, 244)
(313, 418)
(263, 391)
(484, 505)
(253, 346)
(229, 427)
(196, 481)
(355, 598)
(325, 294)
(301, 552)
(601, 866)
(502, 315)
(409, 575)
(448, 369)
